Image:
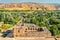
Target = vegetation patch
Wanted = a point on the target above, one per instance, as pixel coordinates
(49, 19)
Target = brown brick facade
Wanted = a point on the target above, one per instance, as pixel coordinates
(31, 31)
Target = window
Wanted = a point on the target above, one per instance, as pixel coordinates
(18, 30)
(30, 7)
(28, 28)
(33, 28)
(40, 29)
(37, 8)
(25, 31)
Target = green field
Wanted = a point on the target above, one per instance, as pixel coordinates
(49, 19)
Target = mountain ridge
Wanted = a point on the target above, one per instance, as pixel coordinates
(29, 6)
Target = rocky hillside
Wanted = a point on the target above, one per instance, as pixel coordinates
(29, 6)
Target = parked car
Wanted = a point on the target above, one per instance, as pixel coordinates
(6, 33)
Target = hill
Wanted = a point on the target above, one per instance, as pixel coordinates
(29, 6)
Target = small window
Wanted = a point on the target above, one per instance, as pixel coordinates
(18, 30)
(25, 31)
(26, 28)
(37, 8)
(40, 29)
(31, 7)
(33, 28)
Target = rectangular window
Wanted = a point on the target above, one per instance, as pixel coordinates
(18, 30)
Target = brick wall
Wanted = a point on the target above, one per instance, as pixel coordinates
(18, 32)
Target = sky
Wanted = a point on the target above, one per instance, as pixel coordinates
(36, 1)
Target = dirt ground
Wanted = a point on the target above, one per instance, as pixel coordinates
(30, 38)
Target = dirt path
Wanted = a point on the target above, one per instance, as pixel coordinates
(28, 38)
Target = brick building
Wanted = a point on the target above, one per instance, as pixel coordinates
(29, 30)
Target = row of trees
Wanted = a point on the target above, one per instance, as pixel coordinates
(49, 19)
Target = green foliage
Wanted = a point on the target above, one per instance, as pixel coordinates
(49, 19)
(5, 26)
(54, 30)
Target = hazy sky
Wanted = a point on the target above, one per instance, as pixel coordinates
(38, 1)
